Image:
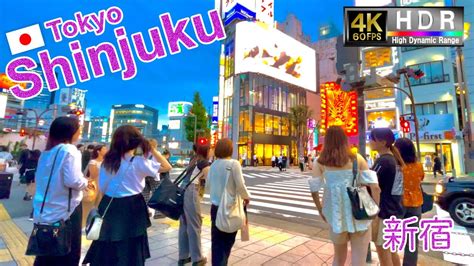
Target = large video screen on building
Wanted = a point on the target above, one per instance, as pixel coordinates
(265, 50)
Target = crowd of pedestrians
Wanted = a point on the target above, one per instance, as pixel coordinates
(394, 183)
(73, 182)
(68, 183)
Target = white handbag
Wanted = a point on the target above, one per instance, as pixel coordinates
(230, 214)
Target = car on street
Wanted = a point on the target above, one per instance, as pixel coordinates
(456, 196)
(174, 160)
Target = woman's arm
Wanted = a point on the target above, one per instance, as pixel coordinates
(94, 173)
(165, 165)
(240, 186)
(315, 186)
(374, 187)
(73, 176)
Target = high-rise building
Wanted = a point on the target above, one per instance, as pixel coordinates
(141, 116)
(264, 73)
(97, 130)
(436, 101)
(176, 137)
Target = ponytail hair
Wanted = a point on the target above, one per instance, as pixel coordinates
(397, 155)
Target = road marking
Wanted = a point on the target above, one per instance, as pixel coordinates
(300, 197)
(280, 191)
(295, 189)
(258, 175)
(248, 176)
(281, 207)
(292, 186)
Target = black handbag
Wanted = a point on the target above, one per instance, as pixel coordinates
(428, 201)
(363, 206)
(50, 239)
(168, 198)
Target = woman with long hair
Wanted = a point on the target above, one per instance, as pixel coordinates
(333, 171)
(388, 167)
(413, 174)
(222, 242)
(63, 200)
(92, 174)
(191, 221)
(123, 237)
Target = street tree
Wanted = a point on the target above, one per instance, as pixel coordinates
(299, 116)
(198, 112)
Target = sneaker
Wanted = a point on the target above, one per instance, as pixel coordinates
(201, 262)
(184, 261)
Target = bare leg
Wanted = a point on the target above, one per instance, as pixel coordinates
(340, 254)
(359, 245)
(385, 256)
(395, 259)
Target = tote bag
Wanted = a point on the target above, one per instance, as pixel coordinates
(230, 214)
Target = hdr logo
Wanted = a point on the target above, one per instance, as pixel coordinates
(366, 26)
(403, 26)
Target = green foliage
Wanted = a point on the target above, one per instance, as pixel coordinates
(299, 116)
(199, 110)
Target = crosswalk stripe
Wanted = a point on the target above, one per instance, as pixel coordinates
(300, 197)
(280, 191)
(279, 200)
(291, 186)
(268, 175)
(280, 207)
(248, 176)
(295, 189)
(258, 175)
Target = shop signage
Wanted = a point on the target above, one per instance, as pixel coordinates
(178, 108)
(433, 135)
(215, 109)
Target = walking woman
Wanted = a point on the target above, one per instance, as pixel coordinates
(62, 161)
(388, 167)
(413, 174)
(222, 242)
(333, 170)
(123, 237)
(28, 171)
(92, 195)
(191, 221)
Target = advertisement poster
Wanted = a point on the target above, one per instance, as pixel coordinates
(142, 111)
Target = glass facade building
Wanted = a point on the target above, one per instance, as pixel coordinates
(262, 124)
(141, 116)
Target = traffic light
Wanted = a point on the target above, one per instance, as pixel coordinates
(405, 125)
(76, 112)
(22, 132)
(202, 141)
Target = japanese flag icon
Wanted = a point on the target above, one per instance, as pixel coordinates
(25, 39)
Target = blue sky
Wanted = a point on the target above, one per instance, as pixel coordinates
(174, 78)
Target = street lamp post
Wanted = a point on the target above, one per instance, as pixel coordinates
(37, 120)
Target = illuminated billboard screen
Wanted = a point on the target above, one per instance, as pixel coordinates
(178, 108)
(265, 50)
(174, 124)
(338, 108)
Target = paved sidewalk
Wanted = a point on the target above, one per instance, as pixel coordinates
(267, 246)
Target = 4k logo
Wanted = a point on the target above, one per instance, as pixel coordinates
(368, 27)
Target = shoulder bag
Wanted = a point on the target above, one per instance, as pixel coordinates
(94, 220)
(363, 205)
(230, 214)
(50, 239)
(427, 201)
(168, 197)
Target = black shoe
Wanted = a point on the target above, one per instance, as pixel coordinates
(184, 261)
(26, 197)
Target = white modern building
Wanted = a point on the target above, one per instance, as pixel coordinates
(177, 114)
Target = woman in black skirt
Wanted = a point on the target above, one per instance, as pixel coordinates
(123, 238)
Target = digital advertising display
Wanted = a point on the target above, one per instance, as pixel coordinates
(274, 54)
(176, 109)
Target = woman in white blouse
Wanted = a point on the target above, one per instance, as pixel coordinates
(123, 237)
(62, 161)
(333, 172)
(222, 242)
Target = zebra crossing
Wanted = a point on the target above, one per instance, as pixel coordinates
(266, 175)
(288, 198)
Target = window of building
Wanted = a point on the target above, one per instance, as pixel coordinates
(439, 108)
(276, 125)
(244, 121)
(381, 119)
(285, 126)
(268, 124)
(434, 73)
(259, 123)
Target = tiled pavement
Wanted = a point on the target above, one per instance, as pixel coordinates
(267, 246)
